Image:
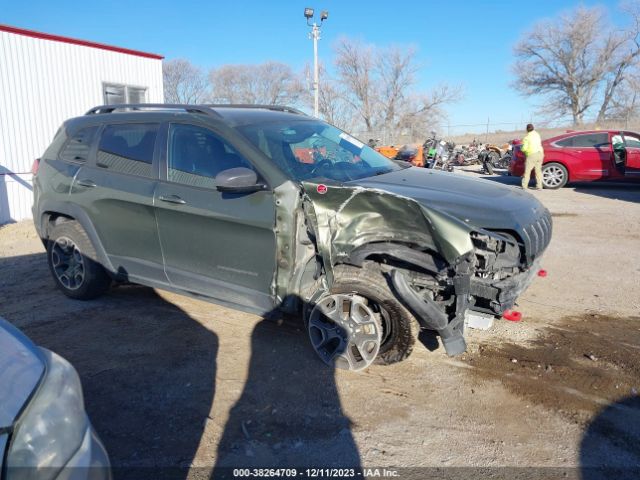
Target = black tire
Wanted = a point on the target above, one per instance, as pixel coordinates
(505, 161)
(488, 168)
(554, 175)
(400, 328)
(94, 278)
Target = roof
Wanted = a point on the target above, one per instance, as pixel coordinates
(75, 41)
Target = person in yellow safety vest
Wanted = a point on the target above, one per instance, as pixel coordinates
(532, 148)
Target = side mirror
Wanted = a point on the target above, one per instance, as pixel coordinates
(238, 180)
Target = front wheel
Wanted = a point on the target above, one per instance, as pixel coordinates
(360, 321)
(554, 175)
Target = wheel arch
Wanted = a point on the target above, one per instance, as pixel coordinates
(396, 252)
(55, 212)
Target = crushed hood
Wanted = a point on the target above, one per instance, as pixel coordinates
(346, 217)
(477, 202)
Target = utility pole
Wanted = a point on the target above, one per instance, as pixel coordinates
(315, 36)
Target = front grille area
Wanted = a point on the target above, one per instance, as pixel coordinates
(536, 236)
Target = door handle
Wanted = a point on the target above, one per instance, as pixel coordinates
(87, 183)
(172, 199)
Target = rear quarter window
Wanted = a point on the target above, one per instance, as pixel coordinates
(128, 148)
(78, 146)
(56, 144)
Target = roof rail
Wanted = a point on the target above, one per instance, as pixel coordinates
(203, 109)
(279, 108)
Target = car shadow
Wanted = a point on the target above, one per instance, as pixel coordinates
(147, 368)
(289, 412)
(148, 372)
(610, 446)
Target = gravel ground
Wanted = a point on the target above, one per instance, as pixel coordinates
(173, 381)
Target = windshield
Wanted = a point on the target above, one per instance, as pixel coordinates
(313, 149)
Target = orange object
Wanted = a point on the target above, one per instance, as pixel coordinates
(389, 151)
(398, 153)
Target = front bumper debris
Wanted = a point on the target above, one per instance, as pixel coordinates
(448, 322)
(496, 296)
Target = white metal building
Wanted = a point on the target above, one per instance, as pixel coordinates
(46, 79)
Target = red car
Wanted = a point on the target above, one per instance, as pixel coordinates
(585, 156)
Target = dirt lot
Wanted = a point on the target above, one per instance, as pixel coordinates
(174, 381)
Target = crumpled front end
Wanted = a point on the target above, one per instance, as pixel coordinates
(439, 267)
(506, 263)
(427, 255)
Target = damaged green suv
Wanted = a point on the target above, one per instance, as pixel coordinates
(263, 208)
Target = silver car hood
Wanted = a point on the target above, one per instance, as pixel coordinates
(21, 368)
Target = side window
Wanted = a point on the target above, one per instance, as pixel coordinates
(78, 146)
(197, 155)
(590, 140)
(128, 148)
(631, 141)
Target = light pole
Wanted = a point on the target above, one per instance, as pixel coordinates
(315, 36)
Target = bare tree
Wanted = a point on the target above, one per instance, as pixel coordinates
(625, 103)
(355, 66)
(184, 82)
(624, 49)
(379, 85)
(424, 111)
(576, 62)
(397, 70)
(332, 106)
(269, 83)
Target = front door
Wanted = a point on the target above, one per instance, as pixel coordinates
(590, 156)
(217, 244)
(632, 157)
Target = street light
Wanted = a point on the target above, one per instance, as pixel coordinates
(315, 36)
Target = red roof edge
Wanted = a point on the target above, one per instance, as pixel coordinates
(75, 41)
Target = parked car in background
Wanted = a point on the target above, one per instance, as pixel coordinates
(586, 156)
(44, 430)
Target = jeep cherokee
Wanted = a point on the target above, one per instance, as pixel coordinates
(213, 201)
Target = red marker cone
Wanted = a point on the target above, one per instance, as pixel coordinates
(512, 315)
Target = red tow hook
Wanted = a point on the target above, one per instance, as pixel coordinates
(512, 315)
(542, 273)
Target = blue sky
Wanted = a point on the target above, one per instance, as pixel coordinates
(461, 42)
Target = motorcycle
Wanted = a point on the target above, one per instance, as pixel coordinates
(493, 157)
(443, 156)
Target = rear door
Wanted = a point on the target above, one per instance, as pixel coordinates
(116, 190)
(632, 157)
(217, 244)
(589, 156)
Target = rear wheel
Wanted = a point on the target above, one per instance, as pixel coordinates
(70, 256)
(554, 175)
(361, 322)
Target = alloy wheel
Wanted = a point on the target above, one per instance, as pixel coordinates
(68, 263)
(345, 332)
(552, 176)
